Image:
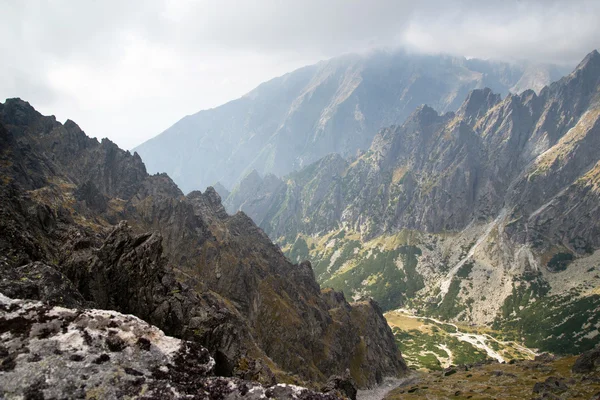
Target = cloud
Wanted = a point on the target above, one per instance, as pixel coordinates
(129, 69)
(551, 31)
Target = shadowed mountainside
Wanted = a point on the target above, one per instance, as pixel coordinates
(78, 213)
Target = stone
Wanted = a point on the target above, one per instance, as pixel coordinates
(449, 371)
(80, 359)
(342, 384)
(551, 385)
(587, 362)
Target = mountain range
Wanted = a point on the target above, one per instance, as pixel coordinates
(460, 197)
(488, 215)
(334, 106)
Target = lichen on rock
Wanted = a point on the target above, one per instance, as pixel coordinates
(55, 352)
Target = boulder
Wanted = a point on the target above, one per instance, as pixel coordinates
(587, 362)
(55, 352)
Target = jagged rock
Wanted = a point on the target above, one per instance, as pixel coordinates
(38, 281)
(128, 273)
(587, 362)
(477, 104)
(54, 352)
(342, 384)
(507, 188)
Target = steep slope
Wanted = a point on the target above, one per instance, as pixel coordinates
(179, 262)
(335, 106)
(486, 215)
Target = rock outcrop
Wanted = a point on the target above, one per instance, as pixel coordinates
(587, 362)
(55, 352)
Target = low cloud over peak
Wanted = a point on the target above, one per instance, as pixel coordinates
(128, 70)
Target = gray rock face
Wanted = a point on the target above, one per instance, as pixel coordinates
(335, 106)
(342, 383)
(55, 352)
(128, 274)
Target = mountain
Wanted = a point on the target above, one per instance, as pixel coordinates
(82, 224)
(488, 215)
(334, 106)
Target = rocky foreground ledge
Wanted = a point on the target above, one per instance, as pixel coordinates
(55, 353)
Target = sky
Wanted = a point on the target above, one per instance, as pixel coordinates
(127, 70)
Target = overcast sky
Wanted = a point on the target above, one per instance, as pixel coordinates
(127, 69)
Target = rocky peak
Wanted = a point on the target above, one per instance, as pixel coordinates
(18, 112)
(252, 187)
(214, 200)
(72, 127)
(477, 104)
(590, 62)
(294, 120)
(423, 115)
(207, 204)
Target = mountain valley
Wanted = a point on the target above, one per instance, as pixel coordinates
(300, 200)
(485, 216)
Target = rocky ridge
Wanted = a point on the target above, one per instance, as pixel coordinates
(486, 215)
(335, 106)
(178, 262)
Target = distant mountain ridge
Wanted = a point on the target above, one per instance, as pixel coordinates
(334, 106)
(487, 215)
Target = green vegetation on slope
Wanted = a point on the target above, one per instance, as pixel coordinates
(558, 324)
(384, 269)
(378, 275)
